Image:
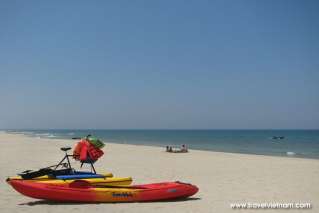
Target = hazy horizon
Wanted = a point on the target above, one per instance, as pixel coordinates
(159, 65)
(144, 129)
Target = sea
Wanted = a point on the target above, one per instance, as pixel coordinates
(289, 143)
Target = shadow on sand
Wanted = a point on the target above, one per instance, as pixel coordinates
(47, 202)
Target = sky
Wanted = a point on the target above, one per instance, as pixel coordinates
(240, 64)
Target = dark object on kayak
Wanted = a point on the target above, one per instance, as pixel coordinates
(45, 171)
(33, 174)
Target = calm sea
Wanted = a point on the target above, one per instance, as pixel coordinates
(296, 143)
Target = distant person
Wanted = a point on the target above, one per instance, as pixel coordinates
(184, 148)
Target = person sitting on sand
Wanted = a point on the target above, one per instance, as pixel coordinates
(169, 149)
(184, 148)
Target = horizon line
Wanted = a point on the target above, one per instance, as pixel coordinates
(169, 129)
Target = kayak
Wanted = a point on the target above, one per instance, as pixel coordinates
(111, 181)
(82, 191)
(105, 179)
(76, 175)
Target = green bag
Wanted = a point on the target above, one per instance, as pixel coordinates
(96, 142)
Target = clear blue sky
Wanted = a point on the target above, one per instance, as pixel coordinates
(159, 64)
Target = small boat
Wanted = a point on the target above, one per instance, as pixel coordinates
(278, 137)
(83, 191)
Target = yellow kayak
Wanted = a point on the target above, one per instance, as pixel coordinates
(111, 181)
(47, 177)
(107, 180)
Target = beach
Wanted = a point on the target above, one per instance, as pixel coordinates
(222, 178)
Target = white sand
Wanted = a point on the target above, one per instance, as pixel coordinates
(222, 178)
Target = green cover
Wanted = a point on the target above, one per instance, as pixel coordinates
(96, 142)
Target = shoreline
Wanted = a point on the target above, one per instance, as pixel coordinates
(159, 146)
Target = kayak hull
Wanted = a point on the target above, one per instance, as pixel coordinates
(89, 193)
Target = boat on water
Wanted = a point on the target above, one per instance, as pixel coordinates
(278, 137)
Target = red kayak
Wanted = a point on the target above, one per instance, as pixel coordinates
(82, 191)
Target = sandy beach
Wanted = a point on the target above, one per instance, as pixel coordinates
(223, 178)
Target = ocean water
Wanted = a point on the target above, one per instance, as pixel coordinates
(297, 143)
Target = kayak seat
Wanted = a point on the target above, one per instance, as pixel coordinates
(65, 148)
